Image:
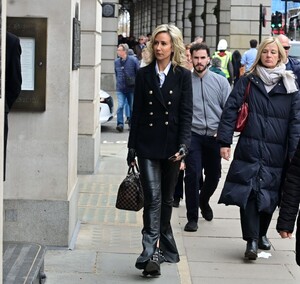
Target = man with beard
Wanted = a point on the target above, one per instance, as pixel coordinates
(210, 92)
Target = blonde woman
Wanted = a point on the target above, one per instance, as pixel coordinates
(270, 137)
(159, 137)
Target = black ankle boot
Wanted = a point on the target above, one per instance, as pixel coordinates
(251, 250)
(264, 243)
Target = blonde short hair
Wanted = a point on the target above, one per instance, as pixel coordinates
(264, 43)
(178, 57)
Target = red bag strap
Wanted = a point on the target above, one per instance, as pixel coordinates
(247, 91)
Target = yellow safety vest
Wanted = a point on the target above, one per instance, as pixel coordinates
(224, 61)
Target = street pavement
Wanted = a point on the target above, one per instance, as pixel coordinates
(109, 240)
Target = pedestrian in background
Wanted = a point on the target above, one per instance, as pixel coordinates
(178, 193)
(216, 66)
(13, 81)
(291, 63)
(139, 47)
(236, 63)
(159, 137)
(210, 92)
(249, 56)
(290, 202)
(226, 59)
(271, 134)
(126, 68)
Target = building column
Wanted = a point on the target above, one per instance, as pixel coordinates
(2, 82)
(172, 13)
(179, 14)
(199, 25)
(187, 25)
(41, 187)
(165, 11)
(109, 41)
(210, 25)
(89, 128)
(154, 15)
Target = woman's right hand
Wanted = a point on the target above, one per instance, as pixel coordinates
(225, 153)
(285, 234)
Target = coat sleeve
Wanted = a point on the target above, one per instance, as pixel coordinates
(294, 125)
(230, 112)
(291, 196)
(13, 74)
(186, 109)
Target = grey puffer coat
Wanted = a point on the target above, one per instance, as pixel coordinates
(270, 136)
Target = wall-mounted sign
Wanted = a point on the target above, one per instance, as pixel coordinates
(108, 10)
(33, 38)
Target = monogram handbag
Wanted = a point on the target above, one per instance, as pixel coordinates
(130, 194)
(243, 112)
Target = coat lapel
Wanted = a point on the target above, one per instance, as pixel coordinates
(152, 80)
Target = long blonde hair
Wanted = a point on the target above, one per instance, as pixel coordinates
(178, 57)
(266, 41)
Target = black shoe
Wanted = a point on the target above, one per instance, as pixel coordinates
(153, 265)
(251, 250)
(176, 202)
(120, 128)
(264, 243)
(207, 212)
(191, 226)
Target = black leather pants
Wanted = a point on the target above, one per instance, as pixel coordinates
(159, 178)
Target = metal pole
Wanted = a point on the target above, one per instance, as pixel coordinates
(285, 16)
(260, 23)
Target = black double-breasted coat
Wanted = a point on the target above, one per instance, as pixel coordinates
(162, 117)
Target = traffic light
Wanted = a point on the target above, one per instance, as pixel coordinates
(279, 19)
(276, 20)
(273, 21)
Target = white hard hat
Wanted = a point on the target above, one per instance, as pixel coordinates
(222, 45)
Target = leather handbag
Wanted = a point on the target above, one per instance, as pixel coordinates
(130, 193)
(243, 112)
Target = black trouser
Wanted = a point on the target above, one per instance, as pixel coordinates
(204, 154)
(254, 224)
(158, 178)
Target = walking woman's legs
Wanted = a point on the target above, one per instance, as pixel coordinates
(170, 171)
(150, 171)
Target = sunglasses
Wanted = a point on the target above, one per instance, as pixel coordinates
(286, 47)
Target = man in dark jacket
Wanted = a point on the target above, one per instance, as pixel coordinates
(290, 203)
(13, 81)
(125, 70)
(292, 63)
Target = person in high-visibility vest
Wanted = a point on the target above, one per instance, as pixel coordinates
(226, 59)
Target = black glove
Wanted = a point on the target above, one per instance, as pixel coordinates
(183, 151)
(131, 156)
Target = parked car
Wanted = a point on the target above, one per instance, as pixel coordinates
(106, 107)
(295, 49)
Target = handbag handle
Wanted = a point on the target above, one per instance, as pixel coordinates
(135, 169)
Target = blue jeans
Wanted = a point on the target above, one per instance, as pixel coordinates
(127, 110)
(204, 154)
(121, 104)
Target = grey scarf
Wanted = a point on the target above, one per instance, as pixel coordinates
(272, 76)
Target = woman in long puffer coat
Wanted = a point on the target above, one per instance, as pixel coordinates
(289, 207)
(270, 137)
